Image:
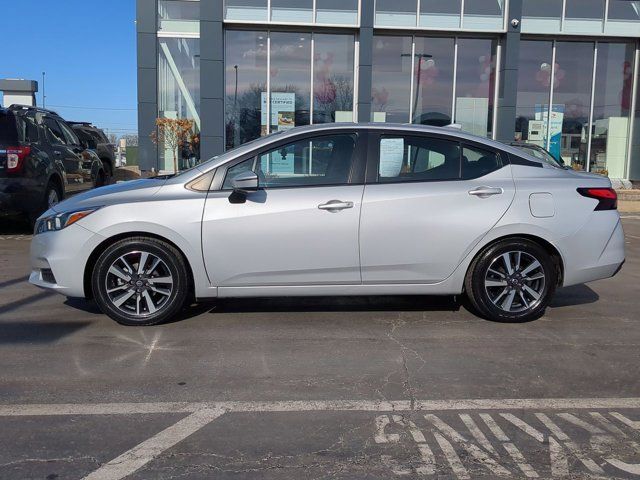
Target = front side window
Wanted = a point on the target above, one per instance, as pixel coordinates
(411, 159)
(309, 162)
(54, 133)
(477, 162)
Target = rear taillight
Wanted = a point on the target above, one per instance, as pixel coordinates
(15, 158)
(607, 197)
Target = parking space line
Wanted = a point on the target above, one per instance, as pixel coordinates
(326, 405)
(134, 459)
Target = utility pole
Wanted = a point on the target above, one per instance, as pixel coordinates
(44, 97)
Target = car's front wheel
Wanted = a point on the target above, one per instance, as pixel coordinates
(140, 281)
(511, 281)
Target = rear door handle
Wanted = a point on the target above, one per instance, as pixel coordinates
(485, 192)
(335, 205)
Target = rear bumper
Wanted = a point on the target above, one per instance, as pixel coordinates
(19, 195)
(596, 251)
(58, 259)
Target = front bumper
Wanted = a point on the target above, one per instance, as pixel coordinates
(58, 259)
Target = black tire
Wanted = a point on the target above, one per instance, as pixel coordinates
(172, 264)
(101, 179)
(108, 170)
(52, 195)
(490, 291)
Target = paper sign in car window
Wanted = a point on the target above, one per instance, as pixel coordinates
(391, 156)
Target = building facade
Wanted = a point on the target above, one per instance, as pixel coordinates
(562, 74)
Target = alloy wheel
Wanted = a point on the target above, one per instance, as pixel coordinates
(53, 198)
(139, 283)
(515, 281)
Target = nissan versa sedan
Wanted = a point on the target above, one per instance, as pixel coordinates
(342, 209)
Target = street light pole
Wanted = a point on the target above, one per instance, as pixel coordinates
(44, 97)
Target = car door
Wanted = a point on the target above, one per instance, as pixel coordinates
(428, 201)
(300, 227)
(60, 151)
(86, 158)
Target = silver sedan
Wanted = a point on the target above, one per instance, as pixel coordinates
(343, 209)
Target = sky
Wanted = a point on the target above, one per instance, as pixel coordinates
(87, 49)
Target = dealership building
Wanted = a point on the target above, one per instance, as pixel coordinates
(562, 74)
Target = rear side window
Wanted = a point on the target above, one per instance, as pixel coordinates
(8, 129)
(478, 163)
(27, 130)
(409, 159)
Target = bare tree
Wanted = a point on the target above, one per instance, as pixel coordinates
(173, 133)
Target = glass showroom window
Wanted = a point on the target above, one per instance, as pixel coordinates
(391, 79)
(584, 16)
(611, 108)
(623, 18)
(396, 13)
(179, 16)
(483, 14)
(343, 12)
(294, 11)
(290, 80)
(475, 85)
(534, 88)
(246, 10)
(541, 16)
(179, 94)
(569, 125)
(440, 13)
(433, 81)
(245, 85)
(333, 78)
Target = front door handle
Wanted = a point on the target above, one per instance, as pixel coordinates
(335, 205)
(486, 192)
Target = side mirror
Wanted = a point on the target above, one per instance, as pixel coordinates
(242, 185)
(245, 182)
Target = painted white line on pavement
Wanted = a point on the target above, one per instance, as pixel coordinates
(477, 433)
(134, 459)
(452, 457)
(326, 405)
(580, 423)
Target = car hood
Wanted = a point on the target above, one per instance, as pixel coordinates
(126, 192)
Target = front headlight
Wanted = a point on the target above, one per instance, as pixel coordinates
(59, 221)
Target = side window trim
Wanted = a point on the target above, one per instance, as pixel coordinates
(359, 134)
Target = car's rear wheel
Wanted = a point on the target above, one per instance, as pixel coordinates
(511, 281)
(140, 281)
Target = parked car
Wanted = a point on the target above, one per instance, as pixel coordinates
(540, 152)
(94, 138)
(41, 161)
(342, 209)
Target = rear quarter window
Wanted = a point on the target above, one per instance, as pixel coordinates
(8, 129)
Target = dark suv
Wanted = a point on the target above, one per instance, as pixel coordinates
(95, 139)
(41, 161)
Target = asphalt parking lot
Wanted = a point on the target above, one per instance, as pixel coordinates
(393, 387)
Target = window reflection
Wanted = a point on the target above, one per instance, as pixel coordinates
(300, 11)
(333, 78)
(483, 14)
(433, 81)
(391, 79)
(584, 16)
(475, 83)
(534, 88)
(541, 16)
(179, 16)
(344, 12)
(623, 18)
(290, 80)
(440, 13)
(179, 93)
(400, 13)
(568, 127)
(612, 104)
(245, 85)
(251, 10)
